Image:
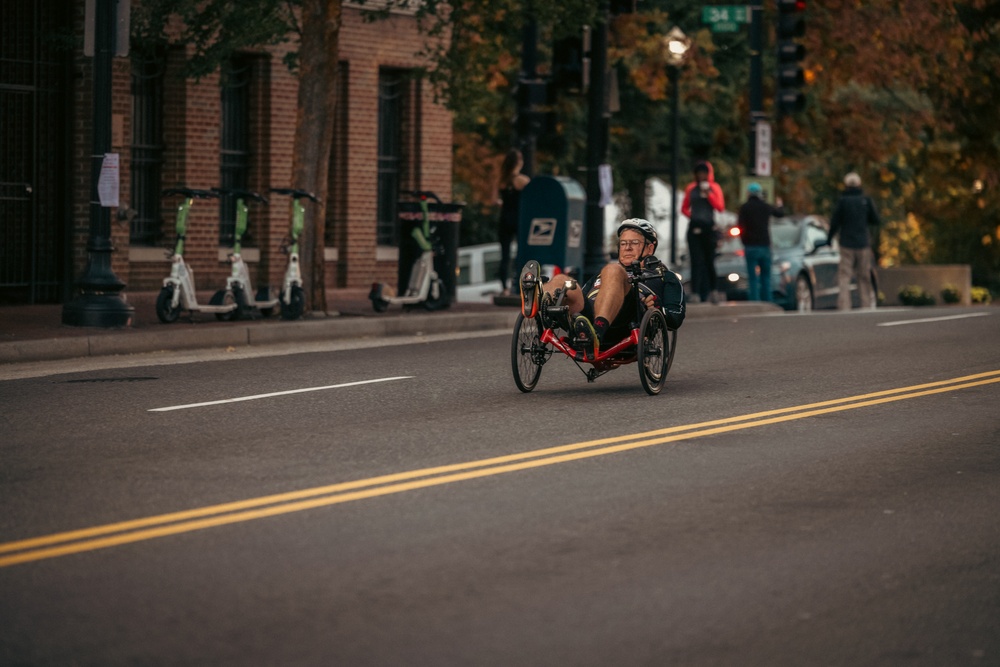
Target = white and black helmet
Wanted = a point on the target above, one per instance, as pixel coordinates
(642, 226)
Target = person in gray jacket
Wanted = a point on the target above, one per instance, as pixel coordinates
(853, 214)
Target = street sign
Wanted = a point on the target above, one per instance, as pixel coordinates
(725, 18)
(762, 130)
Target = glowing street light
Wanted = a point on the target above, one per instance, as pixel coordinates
(676, 46)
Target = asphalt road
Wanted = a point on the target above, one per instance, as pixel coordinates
(808, 490)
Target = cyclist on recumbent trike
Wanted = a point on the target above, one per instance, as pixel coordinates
(603, 315)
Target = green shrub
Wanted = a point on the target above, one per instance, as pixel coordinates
(950, 293)
(981, 295)
(915, 295)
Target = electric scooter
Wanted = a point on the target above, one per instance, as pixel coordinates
(238, 283)
(425, 287)
(178, 292)
(292, 298)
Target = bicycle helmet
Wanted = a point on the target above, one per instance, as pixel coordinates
(641, 226)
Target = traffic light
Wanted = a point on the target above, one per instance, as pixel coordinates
(571, 63)
(619, 7)
(791, 77)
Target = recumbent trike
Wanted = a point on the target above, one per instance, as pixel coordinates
(650, 343)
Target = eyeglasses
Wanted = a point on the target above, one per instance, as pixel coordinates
(634, 243)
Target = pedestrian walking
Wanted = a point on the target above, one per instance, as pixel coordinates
(853, 216)
(702, 199)
(754, 223)
(511, 182)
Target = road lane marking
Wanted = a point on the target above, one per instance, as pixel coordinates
(109, 535)
(277, 393)
(943, 318)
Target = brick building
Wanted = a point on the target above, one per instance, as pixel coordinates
(390, 136)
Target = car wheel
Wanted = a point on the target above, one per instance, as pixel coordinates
(804, 300)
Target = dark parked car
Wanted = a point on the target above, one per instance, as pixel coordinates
(804, 266)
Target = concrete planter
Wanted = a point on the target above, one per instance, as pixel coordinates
(932, 277)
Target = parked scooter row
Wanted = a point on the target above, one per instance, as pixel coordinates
(238, 299)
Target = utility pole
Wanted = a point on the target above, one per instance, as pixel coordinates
(597, 143)
(99, 303)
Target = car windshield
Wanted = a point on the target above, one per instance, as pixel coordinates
(784, 234)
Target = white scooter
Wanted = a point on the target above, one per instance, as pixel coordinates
(248, 302)
(292, 298)
(425, 287)
(178, 292)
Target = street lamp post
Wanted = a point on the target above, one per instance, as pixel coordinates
(676, 45)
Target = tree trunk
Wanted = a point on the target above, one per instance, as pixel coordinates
(317, 102)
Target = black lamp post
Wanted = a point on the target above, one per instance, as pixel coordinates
(677, 46)
(99, 303)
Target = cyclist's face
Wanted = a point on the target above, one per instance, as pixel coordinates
(632, 246)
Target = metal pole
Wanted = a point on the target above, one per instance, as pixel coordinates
(99, 303)
(756, 81)
(597, 144)
(529, 73)
(675, 159)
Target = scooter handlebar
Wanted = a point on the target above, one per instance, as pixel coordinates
(240, 193)
(191, 192)
(423, 194)
(297, 194)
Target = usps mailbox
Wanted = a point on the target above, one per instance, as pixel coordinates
(551, 228)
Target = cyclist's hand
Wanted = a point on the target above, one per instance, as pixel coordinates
(651, 301)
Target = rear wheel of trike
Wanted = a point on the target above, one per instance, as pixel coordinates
(527, 353)
(653, 354)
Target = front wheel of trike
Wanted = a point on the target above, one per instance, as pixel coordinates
(527, 353)
(653, 355)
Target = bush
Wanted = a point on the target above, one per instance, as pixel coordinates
(981, 295)
(915, 295)
(950, 293)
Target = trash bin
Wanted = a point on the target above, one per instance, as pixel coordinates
(550, 227)
(444, 220)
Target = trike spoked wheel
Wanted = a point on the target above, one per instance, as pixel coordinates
(653, 354)
(527, 353)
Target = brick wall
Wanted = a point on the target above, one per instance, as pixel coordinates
(191, 158)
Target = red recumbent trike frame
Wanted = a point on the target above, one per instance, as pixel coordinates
(651, 342)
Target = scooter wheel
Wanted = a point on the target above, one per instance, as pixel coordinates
(164, 310)
(224, 298)
(439, 302)
(296, 304)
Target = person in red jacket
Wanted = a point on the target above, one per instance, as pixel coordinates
(702, 198)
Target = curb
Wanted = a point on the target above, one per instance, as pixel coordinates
(261, 333)
(104, 343)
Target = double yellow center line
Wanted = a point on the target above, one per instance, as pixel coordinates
(137, 530)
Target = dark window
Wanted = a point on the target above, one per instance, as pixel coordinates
(235, 144)
(392, 103)
(147, 146)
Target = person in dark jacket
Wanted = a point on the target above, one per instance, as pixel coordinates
(852, 217)
(753, 221)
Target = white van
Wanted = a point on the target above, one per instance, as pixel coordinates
(478, 271)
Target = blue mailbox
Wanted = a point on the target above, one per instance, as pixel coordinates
(551, 228)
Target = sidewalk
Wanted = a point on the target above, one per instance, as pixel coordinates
(36, 333)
